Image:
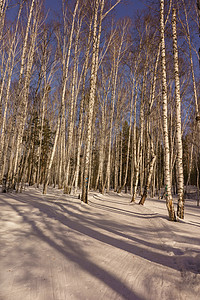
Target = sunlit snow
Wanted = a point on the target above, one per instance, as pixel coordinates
(54, 247)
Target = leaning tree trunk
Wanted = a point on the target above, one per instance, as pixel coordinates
(167, 179)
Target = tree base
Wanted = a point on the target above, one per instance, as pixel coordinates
(180, 207)
(133, 198)
(142, 200)
(170, 208)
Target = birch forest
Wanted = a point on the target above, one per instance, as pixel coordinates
(92, 101)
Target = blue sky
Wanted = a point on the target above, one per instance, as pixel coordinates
(122, 9)
(125, 8)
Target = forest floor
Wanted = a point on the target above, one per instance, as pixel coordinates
(53, 247)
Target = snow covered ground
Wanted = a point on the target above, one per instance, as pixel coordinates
(54, 247)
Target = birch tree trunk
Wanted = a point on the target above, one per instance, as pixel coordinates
(93, 79)
(150, 173)
(150, 166)
(116, 161)
(139, 163)
(180, 208)
(190, 167)
(10, 64)
(70, 131)
(120, 159)
(129, 137)
(97, 28)
(23, 87)
(187, 30)
(167, 179)
(116, 61)
(197, 168)
(46, 181)
(28, 69)
(45, 91)
(134, 144)
(3, 8)
(99, 180)
(80, 126)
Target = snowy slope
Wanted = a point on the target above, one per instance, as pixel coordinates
(54, 247)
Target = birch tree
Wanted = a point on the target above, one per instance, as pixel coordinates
(97, 28)
(167, 179)
(3, 9)
(180, 209)
(22, 90)
(82, 105)
(8, 72)
(61, 120)
(150, 172)
(93, 79)
(117, 54)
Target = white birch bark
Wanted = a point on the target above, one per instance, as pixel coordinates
(51, 159)
(139, 158)
(117, 145)
(22, 92)
(3, 9)
(81, 126)
(71, 115)
(129, 136)
(120, 160)
(26, 84)
(104, 111)
(116, 161)
(136, 172)
(99, 179)
(93, 79)
(154, 79)
(180, 179)
(116, 61)
(65, 63)
(190, 167)
(187, 29)
(149, 176)
(138, 161)
(43, 104)
(134, 143)
(167, 179)
(197, 168)
(9, 65)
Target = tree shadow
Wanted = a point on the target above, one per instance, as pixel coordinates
(70, 249)
(108, 231)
